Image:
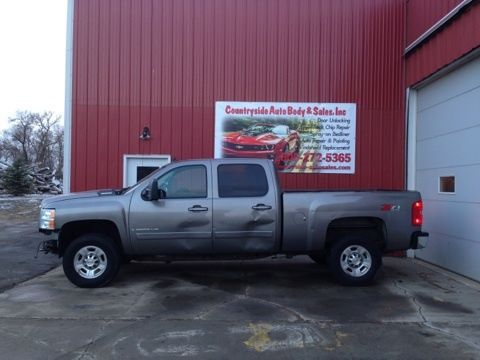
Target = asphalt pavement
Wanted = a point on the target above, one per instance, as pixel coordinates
(19, 238)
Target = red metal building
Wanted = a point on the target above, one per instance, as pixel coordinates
(163, 64)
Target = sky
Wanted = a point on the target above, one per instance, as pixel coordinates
(32, 57)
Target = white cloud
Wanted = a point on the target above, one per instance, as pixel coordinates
(32, 56)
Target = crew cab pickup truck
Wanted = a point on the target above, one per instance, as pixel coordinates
(227, 209)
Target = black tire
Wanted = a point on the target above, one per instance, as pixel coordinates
(319, 258)
(98, 259)
(354, 260)
(126, 259)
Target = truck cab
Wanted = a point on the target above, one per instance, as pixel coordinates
(206, 207)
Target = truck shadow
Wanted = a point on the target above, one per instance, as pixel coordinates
(229, 275)
(264, 289)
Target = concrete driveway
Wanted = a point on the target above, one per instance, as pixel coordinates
(273, 309)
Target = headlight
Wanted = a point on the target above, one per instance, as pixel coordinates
(47, 219)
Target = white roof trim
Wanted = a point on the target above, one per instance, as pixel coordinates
(439, 24)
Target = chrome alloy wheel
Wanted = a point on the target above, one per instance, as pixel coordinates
(90, 262)
(356, 261)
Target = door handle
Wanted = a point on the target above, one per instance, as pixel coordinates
(197, 208)
(261, 207)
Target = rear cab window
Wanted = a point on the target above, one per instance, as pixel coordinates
(242, 180)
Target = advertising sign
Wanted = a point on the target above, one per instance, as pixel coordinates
(298, 137)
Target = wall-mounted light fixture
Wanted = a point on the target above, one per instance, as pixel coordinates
(145, 134)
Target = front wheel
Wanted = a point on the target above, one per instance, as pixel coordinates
(354, 261)
(91, 260)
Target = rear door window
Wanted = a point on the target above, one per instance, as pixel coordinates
(242, 180)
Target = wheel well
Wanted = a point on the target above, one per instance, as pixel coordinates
(72, 230)
(372, 227)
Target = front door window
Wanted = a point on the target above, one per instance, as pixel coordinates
(184, 182)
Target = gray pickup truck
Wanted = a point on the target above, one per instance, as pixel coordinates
(227, 209)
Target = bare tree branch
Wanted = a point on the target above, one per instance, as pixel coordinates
(37, 138)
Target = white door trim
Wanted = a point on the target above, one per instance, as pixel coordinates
(411, 144)
(140, 156)
(411, 137)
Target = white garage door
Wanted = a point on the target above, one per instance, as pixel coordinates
(448, 168)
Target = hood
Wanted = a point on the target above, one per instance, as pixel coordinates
(80, 195)
(262, 139)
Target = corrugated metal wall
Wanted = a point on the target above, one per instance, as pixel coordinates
(457, 38)
(164, 63)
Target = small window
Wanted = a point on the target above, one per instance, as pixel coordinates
(184, 182)
(447, 184)
(144, 171)
(242, 180)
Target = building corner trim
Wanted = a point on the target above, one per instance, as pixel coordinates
(67, 150)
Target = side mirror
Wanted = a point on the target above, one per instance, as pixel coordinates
(152, 192)
(154, 195)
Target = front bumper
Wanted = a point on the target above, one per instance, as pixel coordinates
(47, 246)
(419, 240)
(51, 245)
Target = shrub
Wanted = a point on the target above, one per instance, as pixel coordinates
(16, 180)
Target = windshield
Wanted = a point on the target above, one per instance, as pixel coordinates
(280, 130)
(258, 130)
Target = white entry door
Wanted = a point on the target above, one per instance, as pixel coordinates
(448, 168)
(136, 167)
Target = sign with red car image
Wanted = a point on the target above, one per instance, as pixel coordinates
(298, 137)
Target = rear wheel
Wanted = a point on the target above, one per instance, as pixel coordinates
(91, 260)
(354, 261)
